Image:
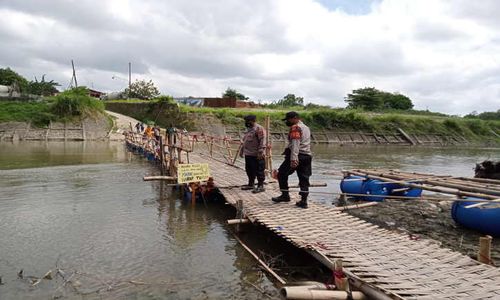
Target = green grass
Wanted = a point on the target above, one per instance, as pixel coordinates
(357, 120)
(38, 113)
(67, 106)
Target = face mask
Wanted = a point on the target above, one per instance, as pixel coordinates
(288, 123)
(248, 124)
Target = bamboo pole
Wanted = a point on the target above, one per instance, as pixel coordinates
(482, 203)
(482, 180)
(491, 183)
(162, 157)
(354, 206)
(237, 153)
(305, 293)
(262, 263)
(421, 186)
(153, 178)
(238, 221)
(461, 187)
(268, 155)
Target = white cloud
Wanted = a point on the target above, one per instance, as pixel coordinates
(444, 55)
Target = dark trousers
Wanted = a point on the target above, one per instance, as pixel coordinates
(304, 171)
(255, 169)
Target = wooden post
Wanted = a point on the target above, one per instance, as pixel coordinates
(269, 159)
(340, 279)
(193, 193)
(239, 213)
(162, 157)
(484, 253)
(211, 147)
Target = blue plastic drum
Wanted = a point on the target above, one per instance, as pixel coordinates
(375, 189)
(352, 184)
(485, 219)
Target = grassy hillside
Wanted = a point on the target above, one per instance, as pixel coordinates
(67, 106)
(354, 120)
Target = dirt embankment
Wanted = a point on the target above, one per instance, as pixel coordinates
(91, 128)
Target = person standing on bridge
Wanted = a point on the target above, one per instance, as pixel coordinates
(254, 149)
(298, 157)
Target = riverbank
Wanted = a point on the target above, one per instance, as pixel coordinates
(346, 120)
(71, 115)
(342, 126)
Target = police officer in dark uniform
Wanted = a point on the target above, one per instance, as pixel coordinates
(254, 149)
(298, 157)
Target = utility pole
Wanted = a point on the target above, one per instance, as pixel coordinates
(74, 73)
(129, 80)
(129, 76)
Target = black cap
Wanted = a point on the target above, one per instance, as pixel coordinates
(250, 118)
(291, 115)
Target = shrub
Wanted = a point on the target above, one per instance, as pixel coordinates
(76, 102)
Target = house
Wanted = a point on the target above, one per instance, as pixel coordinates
(96, 94)
(215, 102)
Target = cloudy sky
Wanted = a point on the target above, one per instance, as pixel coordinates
(443, 54)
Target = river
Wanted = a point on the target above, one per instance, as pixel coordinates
(82, 207)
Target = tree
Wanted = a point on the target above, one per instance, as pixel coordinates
(42, 87)
(370, 98)
(397, 101)
(312, 106)
(142, 89)
(290, 100)
(487, 115)
(232, 93)
(9, 77)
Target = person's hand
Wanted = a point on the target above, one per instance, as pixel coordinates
(241, 154)
(260, 156)
(294, 164)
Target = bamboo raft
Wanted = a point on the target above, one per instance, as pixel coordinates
(381, 263)
(460, 186)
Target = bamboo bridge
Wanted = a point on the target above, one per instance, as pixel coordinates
(381, 263)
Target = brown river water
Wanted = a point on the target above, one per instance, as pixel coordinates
(82, 207)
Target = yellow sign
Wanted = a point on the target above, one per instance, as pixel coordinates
(192, 173)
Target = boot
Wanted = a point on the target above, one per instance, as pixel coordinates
(284, 197)
(247, 187)
(302, 203)
(259, 189)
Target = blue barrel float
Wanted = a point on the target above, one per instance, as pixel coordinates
(409, 192)
(374, 189)
(362, 185)
(485, 219)
(352, 184)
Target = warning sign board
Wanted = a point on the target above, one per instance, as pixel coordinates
(192, 173)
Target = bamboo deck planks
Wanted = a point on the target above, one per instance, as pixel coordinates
(395, 264)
